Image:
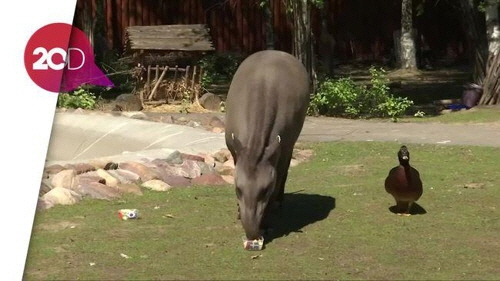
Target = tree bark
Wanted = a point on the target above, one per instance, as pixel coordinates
(408, 51)
(327, 42)
(476, 38)
(302, 36)
(268, 24)
(492, 27)
(491, 87)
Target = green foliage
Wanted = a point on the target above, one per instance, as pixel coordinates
(219, 67)
(344, 98)
(79, 98)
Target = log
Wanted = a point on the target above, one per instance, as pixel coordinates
(157, 84)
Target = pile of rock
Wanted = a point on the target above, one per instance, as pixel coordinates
(67, 185)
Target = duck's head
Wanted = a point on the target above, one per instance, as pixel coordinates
(404, 155)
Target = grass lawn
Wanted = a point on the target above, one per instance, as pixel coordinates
(475, 115)
(336, 225)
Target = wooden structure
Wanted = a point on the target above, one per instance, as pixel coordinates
(155, 49)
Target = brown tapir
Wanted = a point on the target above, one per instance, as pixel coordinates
(265, 111)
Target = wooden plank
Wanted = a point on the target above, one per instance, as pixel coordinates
(177, 47)
(170, 26)
(148, 80)
(168, 37)
(132, 13)
(155, 88)
(180, 69)
(138, 8)
(157, 72)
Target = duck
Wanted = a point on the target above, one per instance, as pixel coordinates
(404, 183)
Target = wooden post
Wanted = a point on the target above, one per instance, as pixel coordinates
(173, 83)
(148, 80)
(153, 92)
(197, 89)
(186, 77)
(157, 72)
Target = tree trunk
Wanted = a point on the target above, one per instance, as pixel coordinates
(408, 52)
(268, 24)
(492, 27)
(327, 42)
(491, 87)
(476, 38)
(302, 36)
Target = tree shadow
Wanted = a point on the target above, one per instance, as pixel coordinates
(416, 209)
(298, 211)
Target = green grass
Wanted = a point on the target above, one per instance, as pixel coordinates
(475, 115)
(337, 225)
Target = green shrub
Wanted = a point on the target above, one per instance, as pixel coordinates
(344, 98)
(219, 68)
(79, 98)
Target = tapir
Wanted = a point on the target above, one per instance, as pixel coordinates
(265, 110)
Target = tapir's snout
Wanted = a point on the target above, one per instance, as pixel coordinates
(251, 218)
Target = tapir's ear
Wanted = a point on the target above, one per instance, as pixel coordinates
(236, 144)
(272, 150)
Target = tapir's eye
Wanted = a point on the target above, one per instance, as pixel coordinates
(239, 193)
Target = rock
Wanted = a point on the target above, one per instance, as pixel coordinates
(167, 119)
(210, 101)
(303, 155)
(177, 181)
(89, 178)
(294, 162)
(135, 115)
(98, 164)
(110, 180)
(62, 196)
(124, 176)
(129, 188)
(81, 168)
(54, 169)
(216, 122)
(229, 179)
(45, 187)
(224, 170)
(209, 179)
(191, 169)
(193, 124)
(229, 163)
(222, 155)
(111, 166)
(97, 191)
(210, 160)
(192, 157)
(128, 102)
(175, 170)
(217, 130)
(182, 120)
(64, 179)
(174, 158)
(44, 204)
(141, 170)
(205, 168)
(156, 185)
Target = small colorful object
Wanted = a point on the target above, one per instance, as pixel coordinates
(253, 245)
(128, 214)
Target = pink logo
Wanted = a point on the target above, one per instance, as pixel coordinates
(59, 58)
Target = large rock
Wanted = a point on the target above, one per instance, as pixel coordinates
(44, 188)
(81, 168)
(156, 185)
(129, 188)
(209, 179)
(128, 102)
(210, 101)
(141, 170)
(177, 181)
(191, 168)
(64, 179)
(229, 163)
(229, 179)
(44, 204)
(216, 122)
(54, 169)
(224, 170)
(62, 196)
(205, 168)
(110, 180)
(222, 155)
(186, 156)
(174, 158)
(97, 190)
(125, 176)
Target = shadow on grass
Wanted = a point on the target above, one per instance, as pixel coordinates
(416, 209)
(299, 210)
